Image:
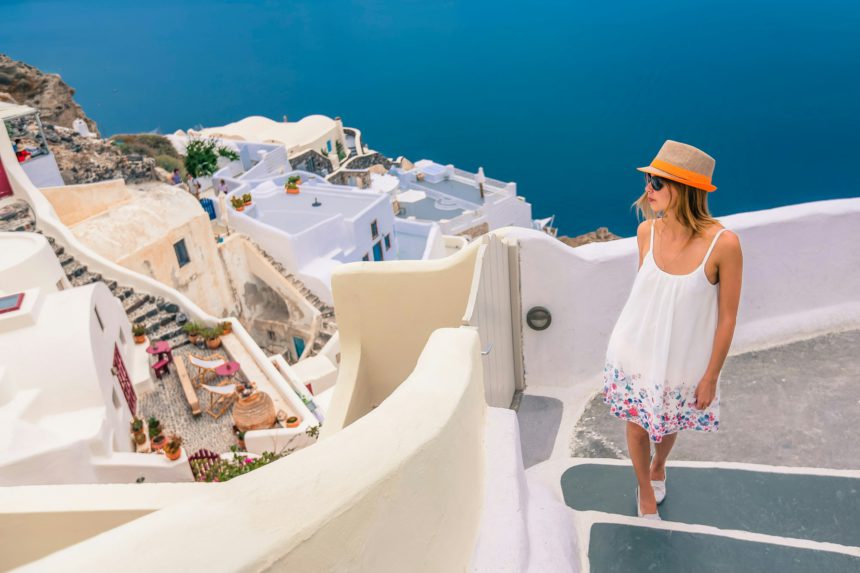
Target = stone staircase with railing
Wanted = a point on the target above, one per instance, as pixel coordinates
(163, 319)
(328, 326)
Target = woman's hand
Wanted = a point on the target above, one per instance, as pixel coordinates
(706, 391)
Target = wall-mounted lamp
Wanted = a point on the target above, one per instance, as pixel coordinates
(538, 318)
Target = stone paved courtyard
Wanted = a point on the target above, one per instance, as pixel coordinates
(167, 403)
(794, 405)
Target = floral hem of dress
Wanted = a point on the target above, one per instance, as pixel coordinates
(668, 430)
(629, 400)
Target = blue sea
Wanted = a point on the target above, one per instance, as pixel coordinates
(565, 98)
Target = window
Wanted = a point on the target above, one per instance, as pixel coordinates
(328, 145)
(387, 241)
(181, 253)
(11, 302)
(366, 257)
(377, 251)
(99, 318)
(271, 334)
(374, 230)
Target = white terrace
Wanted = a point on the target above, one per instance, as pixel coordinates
(419, 464)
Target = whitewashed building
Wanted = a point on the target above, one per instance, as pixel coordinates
(70, 374)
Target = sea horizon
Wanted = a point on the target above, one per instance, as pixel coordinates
(564, 100)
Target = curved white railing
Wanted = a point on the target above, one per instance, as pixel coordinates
(347, 503)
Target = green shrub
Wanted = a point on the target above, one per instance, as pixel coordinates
(148, 144)
(169, 163)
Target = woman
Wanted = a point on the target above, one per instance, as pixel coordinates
(667, 349)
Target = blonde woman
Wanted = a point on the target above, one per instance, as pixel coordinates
(669, 344)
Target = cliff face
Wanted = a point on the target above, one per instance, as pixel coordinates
(23, 84)
(80, 159)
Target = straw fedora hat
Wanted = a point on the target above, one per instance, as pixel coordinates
(683, 163)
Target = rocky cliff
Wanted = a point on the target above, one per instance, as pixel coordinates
(80, 159)
(23, 84)
(600, 235)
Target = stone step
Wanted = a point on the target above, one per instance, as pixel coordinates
(65, 259)
(176, 341)
(85, 279)
(143, 313)
(112, 285)
(167, 331)
(123, 292)
(14, 210)
(75, 269)
(133, 302)
(797, 505)
(58, 249)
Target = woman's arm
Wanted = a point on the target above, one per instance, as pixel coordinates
(729, 270)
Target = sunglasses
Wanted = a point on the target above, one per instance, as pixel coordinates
(655, 182)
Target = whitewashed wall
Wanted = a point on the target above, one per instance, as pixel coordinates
(338, 494)
(801, 277)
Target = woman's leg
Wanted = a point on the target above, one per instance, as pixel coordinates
(658, 466)
(639, 449)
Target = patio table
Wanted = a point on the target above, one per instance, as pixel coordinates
(160, 348)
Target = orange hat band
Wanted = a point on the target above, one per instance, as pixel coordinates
(694, 178)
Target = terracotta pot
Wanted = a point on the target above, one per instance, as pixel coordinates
(214, 343)
(158, 442)
(174, 455)
(247, 203)
(139, 438)
(293, 191)
(193, 338)
(240, 209)
(227, 328)
(140, 339)
(294, 424)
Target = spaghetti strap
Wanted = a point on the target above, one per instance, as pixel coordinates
(651, 244)
(713, 244)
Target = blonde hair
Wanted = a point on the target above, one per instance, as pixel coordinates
(689, 205)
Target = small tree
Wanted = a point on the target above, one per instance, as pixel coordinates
(201, 156)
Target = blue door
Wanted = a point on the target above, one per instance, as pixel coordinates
(377, 251)
(300, 346)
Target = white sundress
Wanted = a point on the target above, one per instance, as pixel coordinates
(660, 348)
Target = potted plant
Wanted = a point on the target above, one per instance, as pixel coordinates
(237, 203)
(292, 188)
(158, 442)
(139, 332)
(226, 327)
(293, 422)
(192, 329)
(246, 198)
(213, 337)
(137, 431)
(173, 448)
(154, 426)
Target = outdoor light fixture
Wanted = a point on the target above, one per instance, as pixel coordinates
(538, 318)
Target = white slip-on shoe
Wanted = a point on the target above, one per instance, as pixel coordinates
(659, 486)
(655, 516)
